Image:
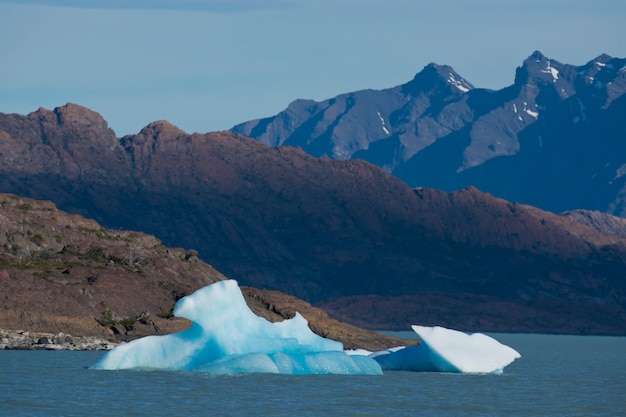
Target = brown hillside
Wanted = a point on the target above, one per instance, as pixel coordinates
(63, 273)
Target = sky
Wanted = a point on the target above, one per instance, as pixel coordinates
(207, 65)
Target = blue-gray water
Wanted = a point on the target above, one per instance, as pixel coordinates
(556, 376)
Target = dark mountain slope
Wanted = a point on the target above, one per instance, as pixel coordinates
(323, 229)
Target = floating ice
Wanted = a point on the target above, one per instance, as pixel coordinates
(226, 337)
(446, 350)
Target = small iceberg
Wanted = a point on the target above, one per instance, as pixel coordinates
(447, 350)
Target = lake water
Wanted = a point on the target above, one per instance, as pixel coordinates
(556, 376)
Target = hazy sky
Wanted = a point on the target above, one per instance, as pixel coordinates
(207, 65)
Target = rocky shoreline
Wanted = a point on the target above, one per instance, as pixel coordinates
(25, 340)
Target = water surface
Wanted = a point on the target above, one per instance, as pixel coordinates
(556, 376)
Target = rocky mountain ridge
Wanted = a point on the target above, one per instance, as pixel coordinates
(602, 222)
(343, 235)
(554, 139)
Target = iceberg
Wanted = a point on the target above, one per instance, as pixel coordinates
(447, 350)
(226, 337)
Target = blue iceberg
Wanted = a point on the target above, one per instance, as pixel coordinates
(447, 350)
(227, 337)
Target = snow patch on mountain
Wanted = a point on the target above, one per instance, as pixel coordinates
(551, 70)
(460, 84)
(382, 121)
(534, 114)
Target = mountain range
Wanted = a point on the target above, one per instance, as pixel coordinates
(345, 235)
(555, 139)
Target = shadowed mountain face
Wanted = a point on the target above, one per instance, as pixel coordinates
(343, 234)
(555, 139)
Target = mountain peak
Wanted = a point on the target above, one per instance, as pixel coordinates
(603, 58)
(161, 129)
(76, 115)
(538, 68)
(536, 58)
(434, 76)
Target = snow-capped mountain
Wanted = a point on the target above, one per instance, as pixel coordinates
(555, 139)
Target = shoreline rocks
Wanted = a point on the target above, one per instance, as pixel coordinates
(25, 340)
